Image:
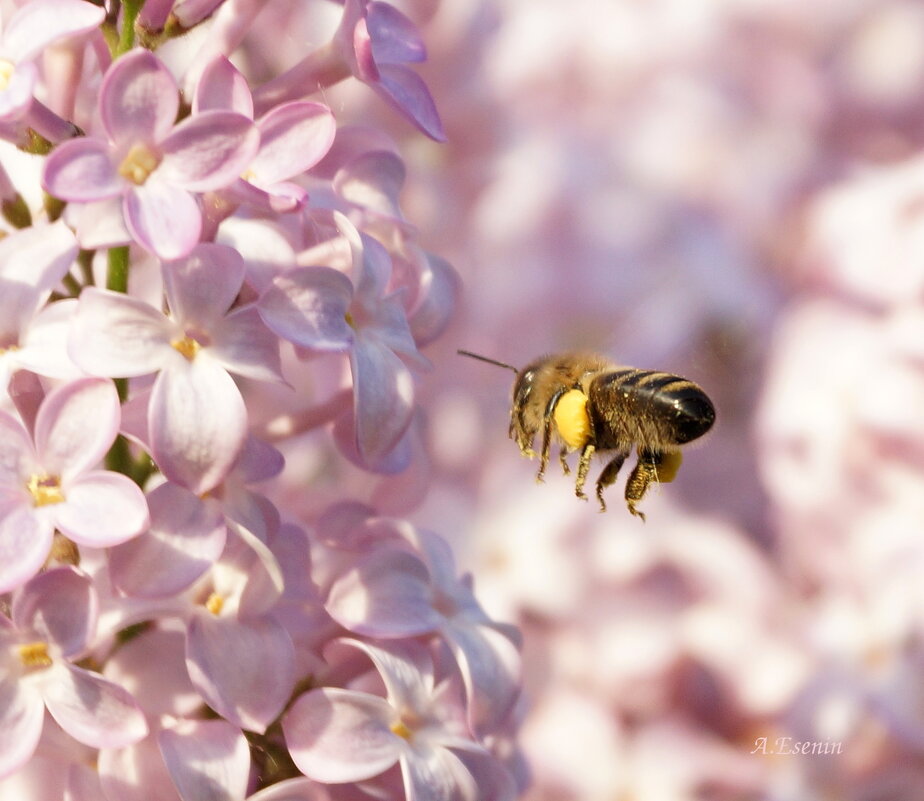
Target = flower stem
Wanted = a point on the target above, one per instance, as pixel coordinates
(130, 9)
(117, 275)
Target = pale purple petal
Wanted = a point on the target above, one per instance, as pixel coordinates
(76, 425)
(91, 709)
(222, 87)
(293, 138)
(44, 348)
(373, 181)
(136, 773)
(244, 670)
(16, 98)
(102, 508)
(40, 23)
(336, 735)
(395, 461)
(406, 91)
(83, 783)
(162, 218)
(22, 713)
(82, 170)
(38, 256)
(264, 246)
(406, 669)
(308, 306)
(395, 38)
(99, 224)
(17, 459)
(248, 574)
(387, 594)
(258, 461)
(243, 344)
(202, 286)
(438, 293)
(185, 538)
(197, 422)
(60, 606)
(25, 540)
(208, 760)
(436, 774)
(300, 789)
(490, 667)
(120, 336)
(384, 397)
(208, 151)
(138, 100)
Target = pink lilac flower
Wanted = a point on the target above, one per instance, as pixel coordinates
(293, 138)
(53, 621)
(197, 421)
(373, 43)
(27, 32)
(319, 308)
(153, 165)
(49, 480)
(339, 735)
(33, 333)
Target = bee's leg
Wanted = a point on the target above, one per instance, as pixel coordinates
(608, 476)
(562, 458)
(587, 453)
(523, 440)
(643, 474)
(547, 422)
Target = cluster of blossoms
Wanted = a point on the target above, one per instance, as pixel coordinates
(218, 272)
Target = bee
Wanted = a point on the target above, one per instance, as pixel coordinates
(590, 404)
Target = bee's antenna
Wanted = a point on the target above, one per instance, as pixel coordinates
(486, 359)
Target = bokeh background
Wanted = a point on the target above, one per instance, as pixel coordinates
(732, 190)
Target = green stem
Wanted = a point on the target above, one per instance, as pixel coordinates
(130, 9)
(117, 274)
(85, 261)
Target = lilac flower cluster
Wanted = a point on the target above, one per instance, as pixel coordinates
(179, 307)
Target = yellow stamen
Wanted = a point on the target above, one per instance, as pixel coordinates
(187, 346)
(214, 603)
(35, 655)
(349, 320)
(572, 420)
(7, 68)
(400, 728)
(140, 162)
(45, 490)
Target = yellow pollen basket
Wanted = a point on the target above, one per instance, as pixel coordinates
(187, 346)
(138, 165)
(670, 464)
(45, 490)
(34, 655)
(572, 420)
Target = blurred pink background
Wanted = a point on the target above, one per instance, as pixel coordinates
(732, 190)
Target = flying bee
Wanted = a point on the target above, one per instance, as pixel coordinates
(591, 404)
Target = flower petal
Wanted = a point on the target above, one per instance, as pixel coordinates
(203, 284)
(395, 38)
(384, 397)
(208, 760)
(120, 336)
(208, 151)
(136, 773)
(336, 735)
(308, 306)
(82, 170)
(17, 458)
(197, 422)
(244, 345)
(385, 594)
(293, 138)
(91, 709)
(102, 508)
(432, 773)
(407, 93)
(34, 26)
(221, 86)
(21, 716)
(138, 99)
(185, 538)
(60, 606)
(163, 218)
(44, 348)
(76, 424)
(38, 256)
(25, 540)
(244, 670)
